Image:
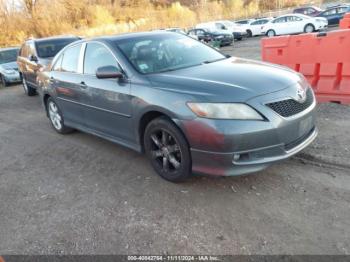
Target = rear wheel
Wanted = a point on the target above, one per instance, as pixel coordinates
(271, 33)
(167, 150)
(56, 117)
(309, 28)
(28, 90)
(249, 32)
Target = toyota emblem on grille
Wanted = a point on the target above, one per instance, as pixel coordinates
(301, 94)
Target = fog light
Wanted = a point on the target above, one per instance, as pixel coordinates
(236, 157)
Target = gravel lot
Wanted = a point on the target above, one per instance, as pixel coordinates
(79, 194)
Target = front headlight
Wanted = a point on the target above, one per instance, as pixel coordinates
(224, 111)
(9, 71)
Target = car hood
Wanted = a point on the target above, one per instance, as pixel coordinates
(11, 65)
(220, 32)
(229, 80)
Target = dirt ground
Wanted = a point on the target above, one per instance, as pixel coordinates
(79, 194)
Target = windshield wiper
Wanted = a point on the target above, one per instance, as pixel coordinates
(215, 60)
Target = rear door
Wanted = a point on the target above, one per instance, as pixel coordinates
(25, 63)
(341, 12)
(107, 102)
(331, 16)
(66, 79)
(280, 26)
(21, 60)
(255, 27)
(31, 63)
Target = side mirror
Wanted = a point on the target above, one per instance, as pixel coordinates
(108, 72)
(33, 58)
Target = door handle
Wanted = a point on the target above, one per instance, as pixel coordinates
(83, 85)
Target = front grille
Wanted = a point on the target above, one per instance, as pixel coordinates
(300, 140)
(292, 107)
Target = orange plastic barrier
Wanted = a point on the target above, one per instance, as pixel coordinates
(324, 59)
(345, 22)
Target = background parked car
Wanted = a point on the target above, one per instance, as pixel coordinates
(335, 14)
(308, 10)
(206, 36)
(254, 27)
(8, 66)
(175, 30)
(244, 24)
(225, 25)
(37, 53)
(294, 24)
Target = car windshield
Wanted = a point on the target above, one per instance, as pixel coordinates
(166, 52)
(8, 56)
(49, 48)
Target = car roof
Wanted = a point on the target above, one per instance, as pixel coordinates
(337, 6)
(112, 38)
(53, 38)
(301, 15)
(308, 6)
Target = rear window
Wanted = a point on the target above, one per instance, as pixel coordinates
(8, 56)
(49, 48)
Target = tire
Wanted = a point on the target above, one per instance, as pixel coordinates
(56, 117)
(309, 28)
(271, 33)
(249, 33)
(167, 149)
(28, 90)
(3, 82)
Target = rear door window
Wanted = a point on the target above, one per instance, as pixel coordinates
(70, 61)
(280, 20)
(23, 52)
(58, 64)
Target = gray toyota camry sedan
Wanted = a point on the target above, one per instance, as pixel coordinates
(187, 106)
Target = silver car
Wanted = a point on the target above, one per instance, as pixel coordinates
(190, 108)
(8, 67)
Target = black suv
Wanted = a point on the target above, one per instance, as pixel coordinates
(35, 54)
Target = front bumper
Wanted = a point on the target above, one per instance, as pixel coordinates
(236, 147)
(239, 35)
(13, 78)
(321, 27)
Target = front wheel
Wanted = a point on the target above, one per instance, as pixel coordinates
(271, 33)
(167, 150)
(309, 28)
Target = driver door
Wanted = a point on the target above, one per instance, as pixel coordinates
(107, 102)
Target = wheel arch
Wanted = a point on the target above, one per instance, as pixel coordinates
(314, 27)
(46, 96)
(147, 116)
